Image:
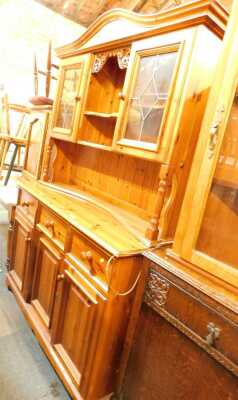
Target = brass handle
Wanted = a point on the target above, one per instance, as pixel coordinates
(213, 139)
(214, 130)
(121, 96)
(77, 98)
(25, 204)
(214, 333)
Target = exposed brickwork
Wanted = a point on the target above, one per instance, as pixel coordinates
(85, 11)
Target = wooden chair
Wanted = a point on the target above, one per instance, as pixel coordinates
(16, 127)
(49, 76)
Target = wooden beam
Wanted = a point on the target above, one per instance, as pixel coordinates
(138, 5)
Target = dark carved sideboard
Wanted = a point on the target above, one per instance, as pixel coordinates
(185, 345)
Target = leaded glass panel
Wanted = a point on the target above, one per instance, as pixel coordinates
(150, 94)
(67, 98)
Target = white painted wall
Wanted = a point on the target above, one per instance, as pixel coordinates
(26, 26)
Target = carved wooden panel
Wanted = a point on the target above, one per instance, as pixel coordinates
(156, 290)
(171, 298)
(101, 59)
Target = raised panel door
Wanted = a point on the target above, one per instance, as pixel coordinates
(46, 271)
(74, 332)
(20, 255)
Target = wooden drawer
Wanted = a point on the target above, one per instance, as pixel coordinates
(89, 258)
(201, 318)
(53, 227)
(27, 205)
(89, 291)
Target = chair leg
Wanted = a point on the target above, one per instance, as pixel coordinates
(19, 157)
(11, 165)
(2, 146)
(5, 151)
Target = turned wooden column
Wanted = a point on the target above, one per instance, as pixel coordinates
(153, 229)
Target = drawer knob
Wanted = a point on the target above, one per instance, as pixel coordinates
(213, 333)
(50, 225)
(87, 255)
(25, 204)
(60, 277)
(77, 98)
(101, 263)
(121, 96)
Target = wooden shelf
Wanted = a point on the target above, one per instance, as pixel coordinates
(93, 218)
(95, 145)
(100, 114)
(134, 222)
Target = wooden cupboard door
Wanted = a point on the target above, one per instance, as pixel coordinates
(45, 278)
(21, 255)
(150, 90)
(211, 202)
(76, 328)
(70, 97)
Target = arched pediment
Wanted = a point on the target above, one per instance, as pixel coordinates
(119, 24)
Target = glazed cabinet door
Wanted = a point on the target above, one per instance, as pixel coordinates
(70, 97)
(151, 86)
(46, 274)
(210, 241)
(76, 325)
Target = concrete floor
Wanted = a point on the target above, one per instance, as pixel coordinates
(25, 373)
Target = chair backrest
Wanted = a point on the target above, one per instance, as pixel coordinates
(47, 73)
(15, 119)
(5, 116)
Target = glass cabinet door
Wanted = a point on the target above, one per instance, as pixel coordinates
(68, 97)
(66, 113)
(218, 236)
(207, 232)
(211, 238)
(149, 89)
(149, 97)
